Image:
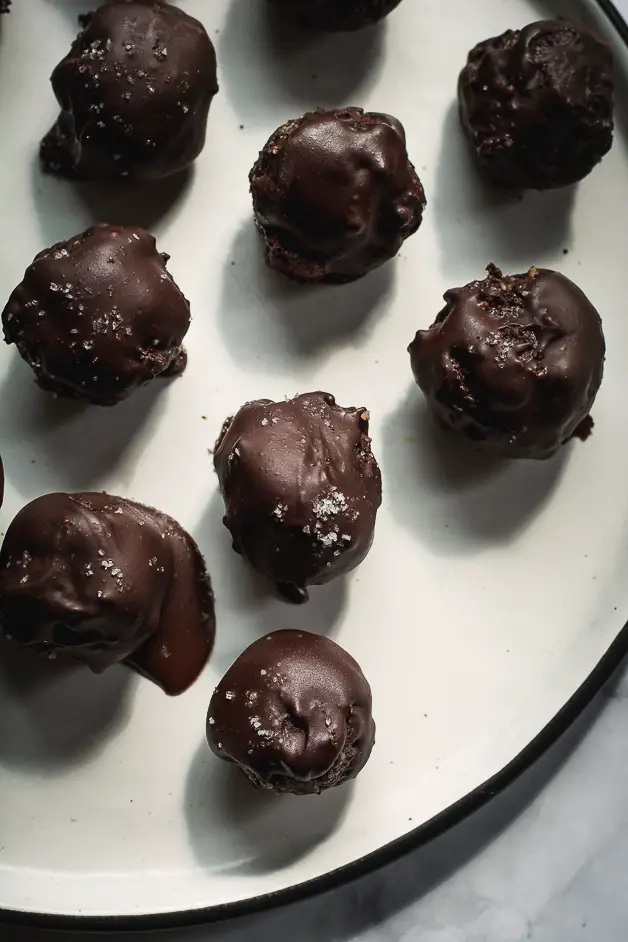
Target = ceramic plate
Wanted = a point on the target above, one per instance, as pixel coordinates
(492, 593)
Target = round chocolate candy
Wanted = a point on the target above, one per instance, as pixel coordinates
(513, 362)
(134, 91)
(102, 579)
(301, 489)
(294, 713)
(537, 104)
(335, 195)
(99, 315)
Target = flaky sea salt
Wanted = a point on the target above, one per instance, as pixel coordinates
(326, 507)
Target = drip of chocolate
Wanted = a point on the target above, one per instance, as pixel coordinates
(335, 195)
(336, 14)
(134, 91)
(294, 713)
(513, 362)
(301, 489)
(537, 104)
(102, 579)
(98, 316)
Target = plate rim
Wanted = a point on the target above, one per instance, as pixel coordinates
(341, 876)
(388, 853)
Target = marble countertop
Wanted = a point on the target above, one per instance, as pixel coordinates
(547, 861)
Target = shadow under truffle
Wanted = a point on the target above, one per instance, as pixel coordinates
(40, 433)
(265, 317)
(479, 223)
(40, 725)
(294, 68)
(66, 207)
(266, 831)
(453, 496)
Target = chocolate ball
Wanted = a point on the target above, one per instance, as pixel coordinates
(301, 489)
(98, 316)
(335, 195)
(513, 362)
(537, 105)
(101, 579)
(134, 91)
(294, 713)
(336, 14)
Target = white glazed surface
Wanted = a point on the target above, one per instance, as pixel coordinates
(545, 861)
(490, 593)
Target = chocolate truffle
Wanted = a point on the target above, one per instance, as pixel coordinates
(335, 195)
(336, 14)
(134, 91)
(101, 579)
(513, 362)
(301, 489)
(98, 316)
(294, 713)
(537, 105)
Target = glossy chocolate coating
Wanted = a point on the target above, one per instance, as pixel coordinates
(134, 91)
(537, 104)
(301, 489)
(336, 14)
(102, 580)
(513, 362)
(294, 712)
(98, 316)
(335, 195)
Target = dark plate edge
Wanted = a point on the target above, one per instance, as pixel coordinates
(615, 17)
(373, 861)
(389, 852)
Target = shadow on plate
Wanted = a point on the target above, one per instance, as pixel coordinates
(228, 568)
(290, 68)
(66, 208)
(263, 831)
(453, 496)
(479, 224)
(265, 317)
(73, 9)
(364, 906)
(245, 599)
(144, 204)
(56, 714)
(66, 443)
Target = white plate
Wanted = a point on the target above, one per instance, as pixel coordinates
(491, 594)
